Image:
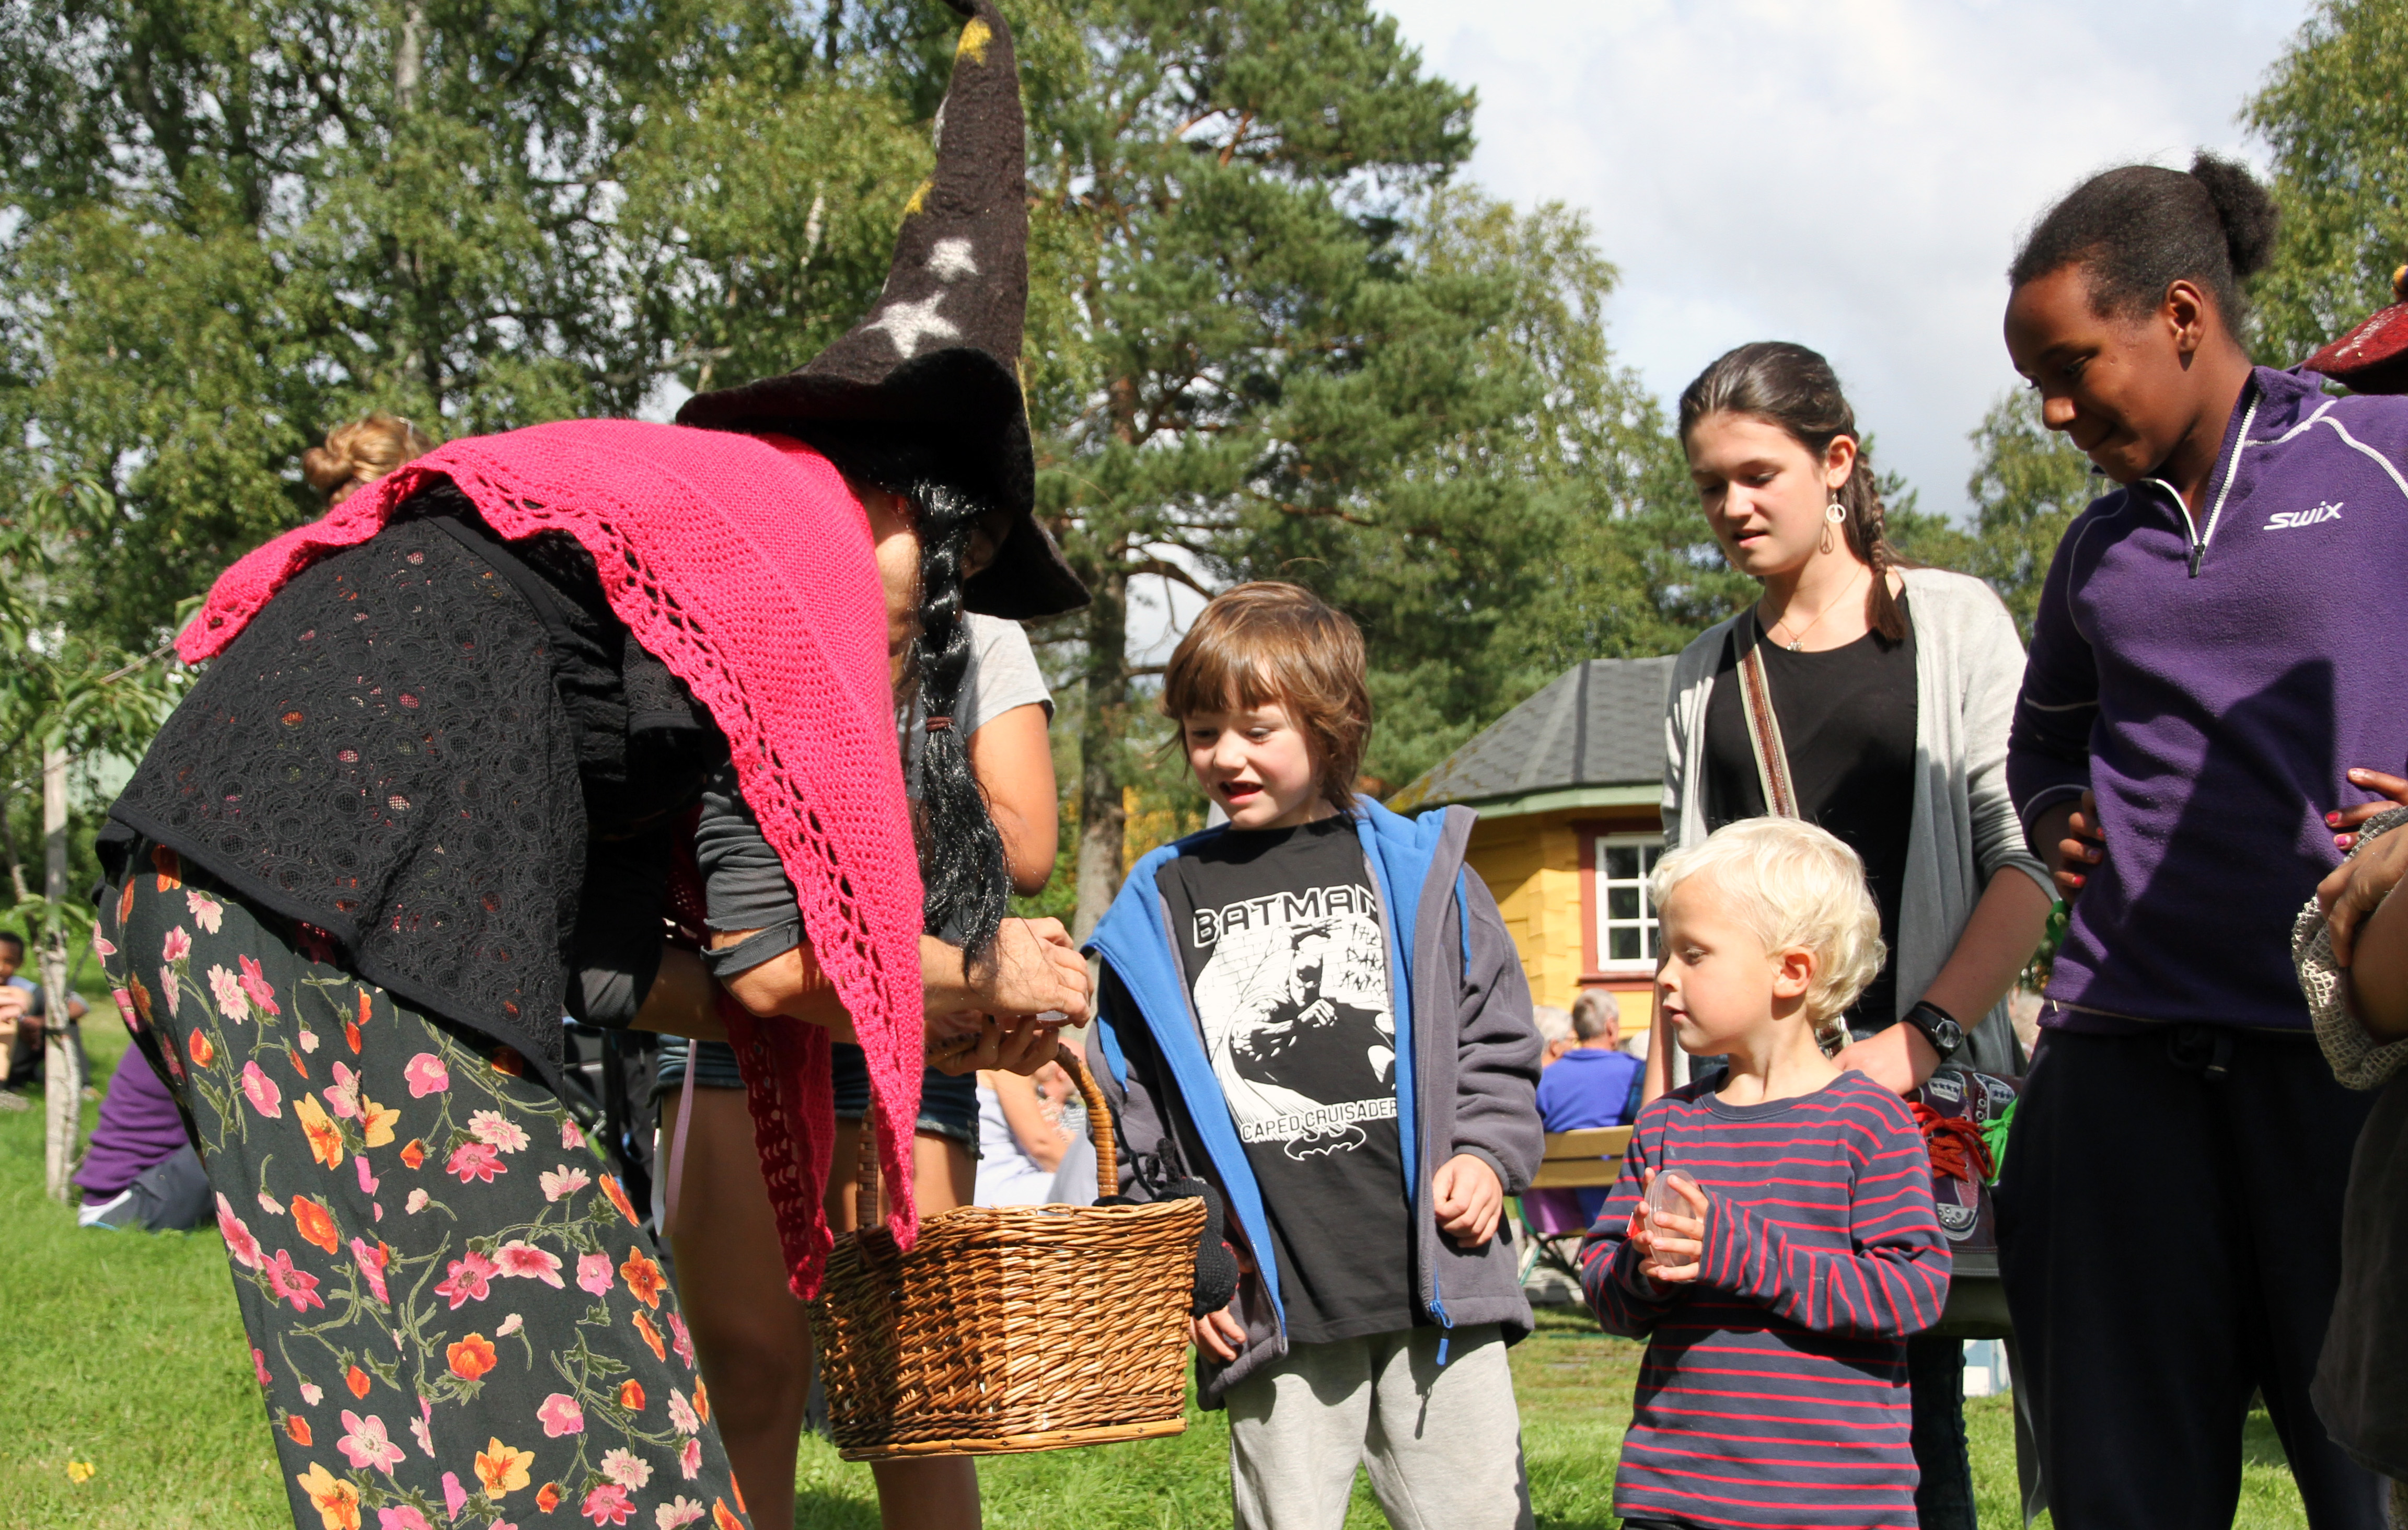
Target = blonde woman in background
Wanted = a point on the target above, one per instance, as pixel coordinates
(361, 452)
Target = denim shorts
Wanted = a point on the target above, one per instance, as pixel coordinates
(948, 1102)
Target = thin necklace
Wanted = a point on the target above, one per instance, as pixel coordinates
(1798, 643)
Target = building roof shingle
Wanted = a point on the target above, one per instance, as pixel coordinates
(1599, 724)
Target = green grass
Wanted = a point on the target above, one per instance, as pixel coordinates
(124, 1349)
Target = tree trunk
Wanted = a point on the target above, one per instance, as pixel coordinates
(410, 55)
(63, 1079)
(1102, 819)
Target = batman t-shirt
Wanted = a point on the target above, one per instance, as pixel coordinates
(1279, 935)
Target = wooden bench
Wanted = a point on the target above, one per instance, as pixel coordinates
(1583, 1160)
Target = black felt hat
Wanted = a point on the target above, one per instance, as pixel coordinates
(2372, 358)
(928, 387)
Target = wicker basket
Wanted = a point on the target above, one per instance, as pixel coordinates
(1010, 1328)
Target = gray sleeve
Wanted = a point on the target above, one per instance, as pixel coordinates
(1003, 673)
(1994, 674)
(744, 883)
(1498, 1049)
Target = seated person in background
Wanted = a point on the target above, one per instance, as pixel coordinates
(23, 1020)
(1554, 1028)
(1593, 1082)
(140, 1170)
(1020, 1136)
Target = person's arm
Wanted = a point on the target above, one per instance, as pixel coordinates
(1496, 1076)
(1012, 758)
(1999, 940)
(1033, 969)
(1038, 1136)
(1892, 1282)
(2369, 933)
(683, 1001)
(1624, 1301)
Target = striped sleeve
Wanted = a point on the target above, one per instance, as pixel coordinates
(1625, 1301)
(1893, 1282)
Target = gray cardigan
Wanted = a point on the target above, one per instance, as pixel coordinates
(1967, 666)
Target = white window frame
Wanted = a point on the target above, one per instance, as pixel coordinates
(1606, 923)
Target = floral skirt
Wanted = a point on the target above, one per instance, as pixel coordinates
(454, 1316)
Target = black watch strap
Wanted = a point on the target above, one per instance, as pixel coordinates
(1939, 1027)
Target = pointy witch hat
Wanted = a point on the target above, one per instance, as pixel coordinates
(2372, 358)
(928, 387)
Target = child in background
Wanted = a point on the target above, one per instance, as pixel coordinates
(1777, 1302)
(1316, 1010)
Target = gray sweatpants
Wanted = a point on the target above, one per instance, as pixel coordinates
(1443, 1445)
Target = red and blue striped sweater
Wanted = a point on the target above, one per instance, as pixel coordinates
(1774, 1390)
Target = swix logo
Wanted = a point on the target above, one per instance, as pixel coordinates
(2283, 519)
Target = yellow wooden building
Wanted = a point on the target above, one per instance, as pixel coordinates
(1566, 786)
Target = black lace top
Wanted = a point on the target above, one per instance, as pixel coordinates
(444, 752)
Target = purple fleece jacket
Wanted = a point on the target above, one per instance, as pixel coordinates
(2211, 687)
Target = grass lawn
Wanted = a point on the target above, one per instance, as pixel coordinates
(124, 1349)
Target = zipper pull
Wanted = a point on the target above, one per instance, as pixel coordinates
(2198, 551)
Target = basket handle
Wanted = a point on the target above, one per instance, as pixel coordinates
(1100, 1120)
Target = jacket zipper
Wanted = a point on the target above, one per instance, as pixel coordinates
(2199, 539)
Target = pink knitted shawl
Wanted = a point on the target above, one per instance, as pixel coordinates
(744, 564)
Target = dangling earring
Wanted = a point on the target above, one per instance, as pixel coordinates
(1834, 514)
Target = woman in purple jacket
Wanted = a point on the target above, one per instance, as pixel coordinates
(2215, 649)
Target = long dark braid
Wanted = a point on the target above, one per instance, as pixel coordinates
(962, 865)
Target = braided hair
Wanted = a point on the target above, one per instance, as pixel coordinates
(961, 864)
(1794, 389)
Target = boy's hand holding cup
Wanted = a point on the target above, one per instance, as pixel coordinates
(1668, 1228)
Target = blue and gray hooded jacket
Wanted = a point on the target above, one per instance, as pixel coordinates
(1467, 1070)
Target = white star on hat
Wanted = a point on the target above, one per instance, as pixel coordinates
(908, 324)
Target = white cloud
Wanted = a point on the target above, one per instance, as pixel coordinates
(1852, 175)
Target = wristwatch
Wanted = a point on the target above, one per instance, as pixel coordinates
(1938, 1026)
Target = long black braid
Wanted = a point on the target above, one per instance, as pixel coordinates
(962, 865)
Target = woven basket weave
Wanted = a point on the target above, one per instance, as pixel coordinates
(1010, 1328)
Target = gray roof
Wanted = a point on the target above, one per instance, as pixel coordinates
(1595, 735)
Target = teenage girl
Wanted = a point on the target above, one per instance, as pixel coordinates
(1892, 687)
(2215, 651)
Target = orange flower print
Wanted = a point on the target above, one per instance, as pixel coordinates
(298, 1427)
(414, 1154)
(643, 1278)
(651, 1336)
(471, 1357)
(337, 1501)
(619, 1199)
(202, 1050)
(631, 1395)
(547, 1498)
(507, 1061)
(325, 1142)
(376, 1121)
(720, 1518)
(125, 902)
(357, 1379)
(315, 1223)
(298, 1067)
(170, 868)
(503, 1469)
(702, 1411)
(141, 998)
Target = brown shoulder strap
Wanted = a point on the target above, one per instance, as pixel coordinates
(1763, 727)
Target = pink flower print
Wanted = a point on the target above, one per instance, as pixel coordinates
(308, 1038)
(677, 1515)
(170, 990)
(570, 1137)
(682, 1415)
(680, 1341)
(560, 1415)
(453, 1496)
(621, 1466)
(240, 1246)
(497, 1130)
(595, 1274)
(100, 946)
(364, 1443)
(312, 1393)
(523, 1261)
(371, 1262)
(422, 1426)
(403, 1518)
(416, 1202)
(205, 911)
(426, 1074)
(270, 1204)
(368, 1182)
(261, 1089)
(178, 947)
(608, 1504)
(512, 1324)
(690, 1459)
(254, 982)
(344, 1093)
(467, 1279)
(476, 1161)
(562, 1180)
(259, 1359)
(298, 1287)
(227, 990)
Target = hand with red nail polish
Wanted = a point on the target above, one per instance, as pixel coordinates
(2069, 842)
(2394, 790)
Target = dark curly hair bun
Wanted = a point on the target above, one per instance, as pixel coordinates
(2138, 229)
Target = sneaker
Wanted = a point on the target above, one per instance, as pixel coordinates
(112, 1214)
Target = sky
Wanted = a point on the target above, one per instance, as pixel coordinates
(1852, 175)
